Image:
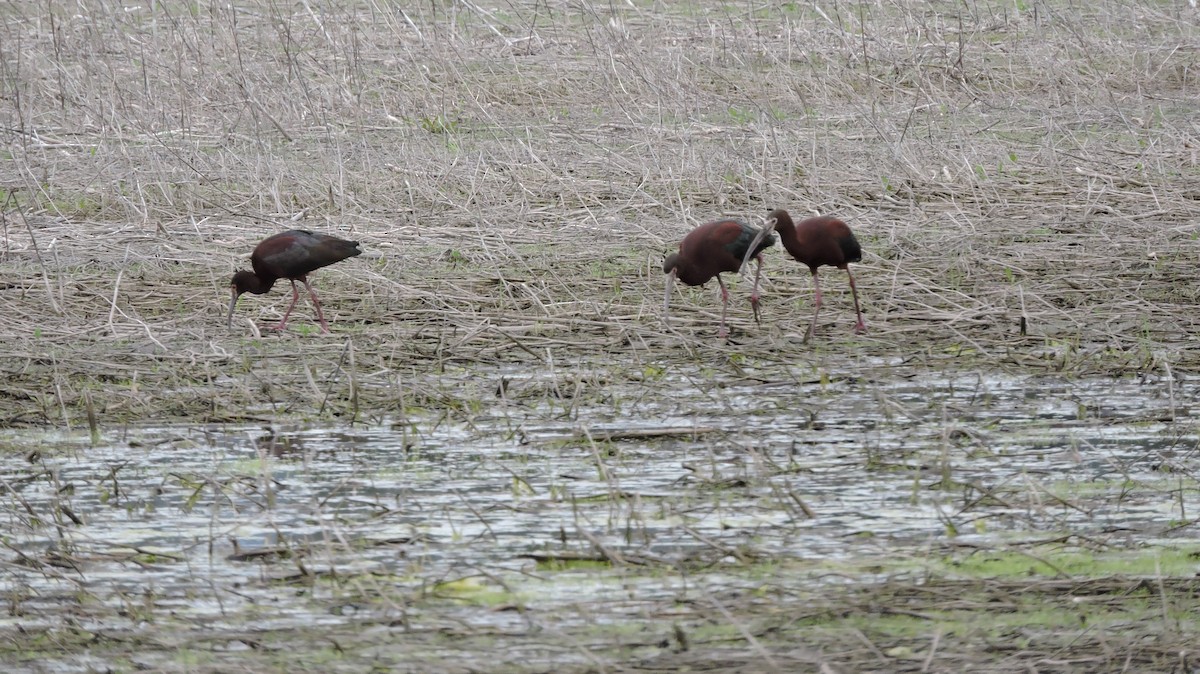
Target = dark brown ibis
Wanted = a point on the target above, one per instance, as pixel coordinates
(712, 248)
(818, 242)
(291, 255)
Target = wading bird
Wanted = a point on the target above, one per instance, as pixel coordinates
(712, 248)
(817, 242)
(291, 255)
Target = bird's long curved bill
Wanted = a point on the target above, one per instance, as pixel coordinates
(232, 302)
(667, 296)
(767, 228)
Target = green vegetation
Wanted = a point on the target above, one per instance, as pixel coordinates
(1151, 562)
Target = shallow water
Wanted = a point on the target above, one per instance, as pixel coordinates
(705, 476)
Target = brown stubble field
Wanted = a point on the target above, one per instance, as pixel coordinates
(516, 176)
(1024, 178)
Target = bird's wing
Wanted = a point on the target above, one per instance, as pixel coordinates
(302, 254)
(741, 238)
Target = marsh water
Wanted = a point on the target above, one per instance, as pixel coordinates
(551, 501)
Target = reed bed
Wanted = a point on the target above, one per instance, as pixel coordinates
(1023, 180)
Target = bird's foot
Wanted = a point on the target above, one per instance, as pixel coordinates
(860, 328)
(754, 307)
(722, 332)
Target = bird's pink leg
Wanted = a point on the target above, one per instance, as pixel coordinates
(754, 293)
(295, 298)
(812, 327)
(860, 327)
(316, 303)
(724, 331)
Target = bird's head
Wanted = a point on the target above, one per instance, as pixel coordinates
(670, 263)
(243, 281)
(778, 218)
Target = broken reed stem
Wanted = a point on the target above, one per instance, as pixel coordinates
(93, 425)
(332, 379)
(353, 383)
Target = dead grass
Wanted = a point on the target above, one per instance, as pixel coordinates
(516, 174)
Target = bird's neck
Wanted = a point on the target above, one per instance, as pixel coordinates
(788, 236)
(786, 229)
(686, 272)
(257, 284)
